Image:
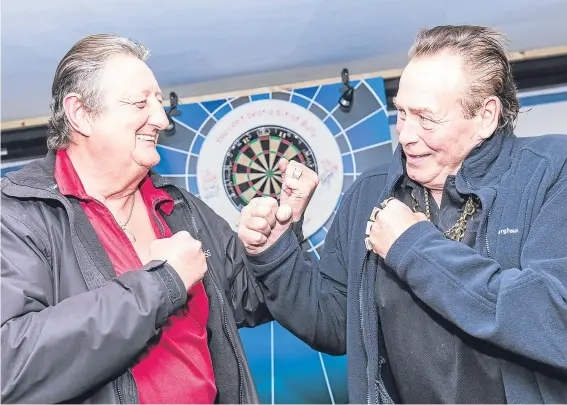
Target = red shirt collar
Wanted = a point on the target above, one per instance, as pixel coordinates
(67, 178)
(70, 184)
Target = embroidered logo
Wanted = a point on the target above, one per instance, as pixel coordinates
(207, 253)
(507, 231)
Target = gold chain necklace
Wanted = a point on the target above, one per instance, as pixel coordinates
(457, 231)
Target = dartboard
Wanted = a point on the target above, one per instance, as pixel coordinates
(251, 165)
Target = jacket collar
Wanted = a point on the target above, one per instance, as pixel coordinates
(36, 179)
(483, 167)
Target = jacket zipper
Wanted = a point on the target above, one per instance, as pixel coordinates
(361, 318)
(119, 382)
(232, 344)
(119, 390)
(369, 379)
(486, 235)
(158, 222)
(487, 219)
(224, 316)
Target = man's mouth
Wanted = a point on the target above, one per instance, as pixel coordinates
(415, 157)
(147, 138)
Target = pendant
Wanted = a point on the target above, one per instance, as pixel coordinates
(129, 234)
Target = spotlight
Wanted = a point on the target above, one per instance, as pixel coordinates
(172, 112)
(345, 102)
(173, 103)
(173, 99)
(347, 98)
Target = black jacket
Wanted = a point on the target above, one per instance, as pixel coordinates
(72, 329)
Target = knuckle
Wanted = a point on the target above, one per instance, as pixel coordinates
(290, 181)
(264, 211)
(252, 223)
(247, 236)
(244, 225)
(183, 236)
(264, 225)
(194, 245)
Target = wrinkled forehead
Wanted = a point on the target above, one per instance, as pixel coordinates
(434, 82)
(127, 77)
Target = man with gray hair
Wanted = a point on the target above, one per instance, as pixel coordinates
(444, 275)
(118, 287)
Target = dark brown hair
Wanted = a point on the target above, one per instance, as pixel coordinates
(482, 52)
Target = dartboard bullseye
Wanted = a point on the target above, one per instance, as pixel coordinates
(251, 166)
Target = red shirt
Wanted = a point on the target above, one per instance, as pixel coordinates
(178, 369)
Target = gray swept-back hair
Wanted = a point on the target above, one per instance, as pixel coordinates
(79, 72)
(482, 52)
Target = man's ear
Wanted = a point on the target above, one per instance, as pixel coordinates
(77, 115)
(489, 116)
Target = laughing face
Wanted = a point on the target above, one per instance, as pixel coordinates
(125, 133)
(433, 131)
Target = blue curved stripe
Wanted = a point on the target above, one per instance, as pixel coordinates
(308, 92)
(373, 130)
(256, 97)
(172, 162)
(192, 115)
(211, 106)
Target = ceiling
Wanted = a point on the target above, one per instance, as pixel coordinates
(210, 46)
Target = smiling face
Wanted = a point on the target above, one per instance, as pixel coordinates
(125, 133)
(435, 136)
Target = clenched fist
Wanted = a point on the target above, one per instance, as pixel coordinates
(299, 184)
(390, 223)
(262, 222)
(184, 254)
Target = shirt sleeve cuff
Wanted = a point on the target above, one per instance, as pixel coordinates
(269, 258)
(171, 283)
(297, 228)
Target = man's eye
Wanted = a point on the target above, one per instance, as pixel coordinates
(402, 114)
(426, 123)
(140, 104)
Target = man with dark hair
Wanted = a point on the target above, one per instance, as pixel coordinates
(444, 274)
(118, 287)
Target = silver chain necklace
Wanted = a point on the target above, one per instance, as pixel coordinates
(129, 234)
